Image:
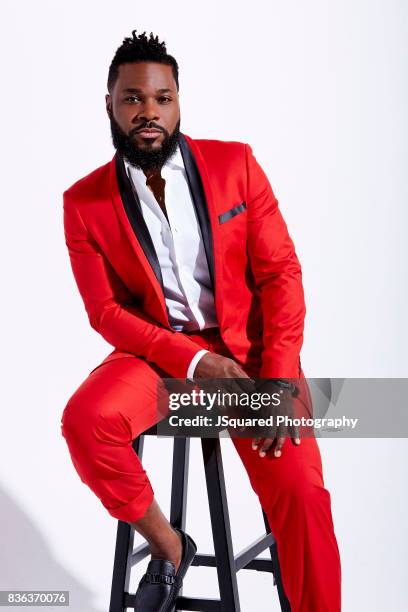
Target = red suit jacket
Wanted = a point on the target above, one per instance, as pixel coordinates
(256, 274)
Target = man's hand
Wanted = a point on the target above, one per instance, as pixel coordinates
(216, 372)
(285, 408)
(214, 366)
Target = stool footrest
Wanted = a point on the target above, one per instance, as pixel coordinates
(243, 558)
(204, 560)
(139, 553)
(183, 603)
(260, 565)
(199, 605)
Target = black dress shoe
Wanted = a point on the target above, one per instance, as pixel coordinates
(159, 587)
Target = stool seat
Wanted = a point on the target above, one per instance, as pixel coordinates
(224, 560)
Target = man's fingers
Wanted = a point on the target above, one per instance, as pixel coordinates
(279, 446)
(265, 446)
(282, 432)
(255, 443)
(232, 386)
(245, 382)
(246, 385)
(294, 432)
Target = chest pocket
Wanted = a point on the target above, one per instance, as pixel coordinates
(232, 212)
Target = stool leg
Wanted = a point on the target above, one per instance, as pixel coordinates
(121, 568)
(283, 600)
(221, 529)
(124, 548)
(179, 483)
(178, 505)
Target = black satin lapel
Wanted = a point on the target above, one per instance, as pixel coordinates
(200, 202)
(133, 210)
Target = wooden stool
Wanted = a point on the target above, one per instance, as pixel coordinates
(224, 560)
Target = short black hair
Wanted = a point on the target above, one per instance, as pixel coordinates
(140, 49)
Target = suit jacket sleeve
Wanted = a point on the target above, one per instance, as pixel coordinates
(277, 274)
(108, 303)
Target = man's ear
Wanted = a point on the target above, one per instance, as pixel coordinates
(108, 103)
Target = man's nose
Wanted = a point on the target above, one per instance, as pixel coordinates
(149, 112)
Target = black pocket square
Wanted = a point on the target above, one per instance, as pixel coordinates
(226, 216)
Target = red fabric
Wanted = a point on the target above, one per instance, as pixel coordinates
(117, 402)
(258, 293)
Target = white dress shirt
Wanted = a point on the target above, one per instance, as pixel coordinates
(180, 250)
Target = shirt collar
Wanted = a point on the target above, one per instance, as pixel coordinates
(175, 162)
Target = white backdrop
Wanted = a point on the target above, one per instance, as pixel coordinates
(318, 89)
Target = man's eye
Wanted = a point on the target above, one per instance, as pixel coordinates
(131, 98)
(165, 99)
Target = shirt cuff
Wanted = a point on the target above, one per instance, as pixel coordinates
(194, 361)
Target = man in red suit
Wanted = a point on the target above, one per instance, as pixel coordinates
(186, 268)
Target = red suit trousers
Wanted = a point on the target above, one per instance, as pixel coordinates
(118, 401)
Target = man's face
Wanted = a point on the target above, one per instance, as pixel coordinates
(144, 96)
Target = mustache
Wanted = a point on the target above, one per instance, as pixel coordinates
(126, 146)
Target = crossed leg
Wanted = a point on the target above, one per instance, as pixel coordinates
(116, 403)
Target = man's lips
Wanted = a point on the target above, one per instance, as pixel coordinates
(148, 133)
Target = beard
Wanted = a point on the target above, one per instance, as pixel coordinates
(146, 160)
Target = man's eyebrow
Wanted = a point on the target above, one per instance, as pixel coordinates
(138, 90)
